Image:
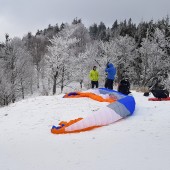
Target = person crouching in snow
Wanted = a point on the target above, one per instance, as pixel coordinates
(94, 77)
(111, 72)
(158, 87)
(124, 86)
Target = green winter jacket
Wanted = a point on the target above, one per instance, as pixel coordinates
(94, 75)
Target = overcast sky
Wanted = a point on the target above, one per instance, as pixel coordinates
(18, 17)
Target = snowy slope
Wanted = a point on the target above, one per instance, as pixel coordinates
(139, 142)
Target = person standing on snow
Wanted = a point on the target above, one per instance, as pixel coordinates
(94, 77)
(111, 72)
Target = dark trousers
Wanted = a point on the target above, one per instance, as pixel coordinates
(109, 84)
(94, 83)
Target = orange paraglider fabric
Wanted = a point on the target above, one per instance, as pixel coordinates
(61, 129)
(66, 124)
(119, 107)
(90, 95)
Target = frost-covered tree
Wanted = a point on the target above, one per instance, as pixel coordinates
(37, 47)
(15, 71)
(81, 33)
(60, 57)
(38, 52)
(120, 52)
(88, 59)
(124, 50)
(154, 56)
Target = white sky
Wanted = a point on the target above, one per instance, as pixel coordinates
(18, 17)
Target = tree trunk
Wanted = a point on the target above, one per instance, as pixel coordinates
(22, 89)
(62, 87)
(54, 83)
(38, 79)
(13, 98)
(13, 86)
(81, 84)
(31, 88)
(119, 76)
(62, 80)
(6, 101)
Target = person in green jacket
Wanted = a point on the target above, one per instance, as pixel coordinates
(94, 77)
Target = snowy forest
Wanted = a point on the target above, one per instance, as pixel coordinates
(58, 55)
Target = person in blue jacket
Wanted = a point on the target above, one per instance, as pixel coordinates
(111, 72)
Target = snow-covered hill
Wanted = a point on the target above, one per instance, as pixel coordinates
(139, 142)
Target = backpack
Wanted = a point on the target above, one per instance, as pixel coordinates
(146, 94)
(124, 86)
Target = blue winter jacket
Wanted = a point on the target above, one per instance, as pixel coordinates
(111, 71)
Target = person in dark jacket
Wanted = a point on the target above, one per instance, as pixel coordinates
(158, 87)
(124, 86)
(111, 72)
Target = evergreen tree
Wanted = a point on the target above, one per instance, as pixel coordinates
(93, 31)
(76, 21)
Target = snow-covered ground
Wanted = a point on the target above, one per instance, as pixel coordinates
(139, 142)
